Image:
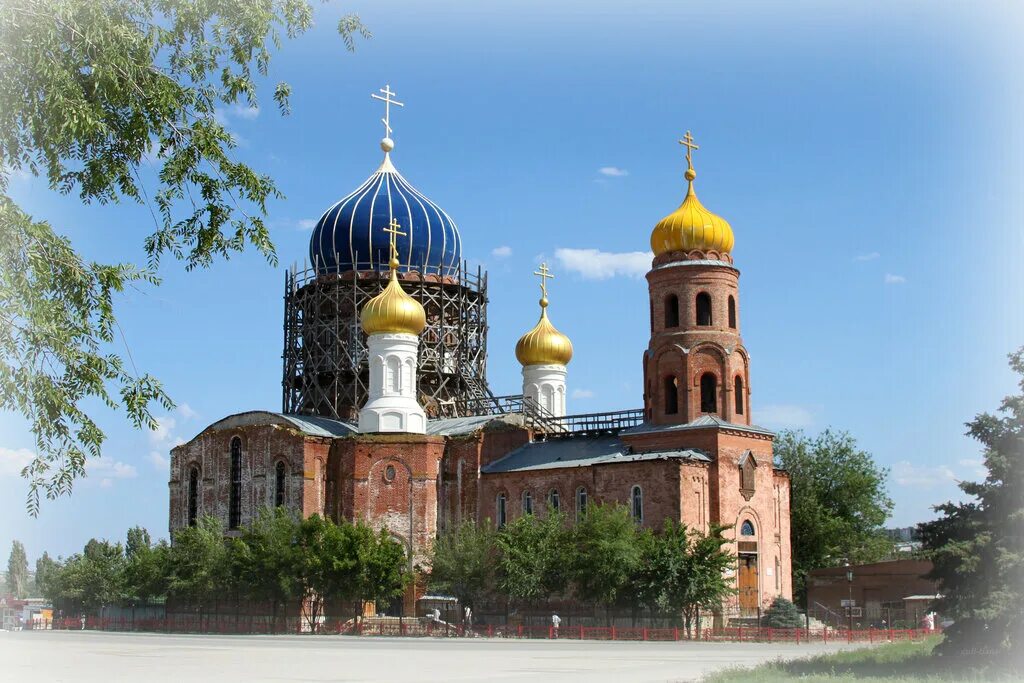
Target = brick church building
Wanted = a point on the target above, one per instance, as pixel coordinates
(387, 416)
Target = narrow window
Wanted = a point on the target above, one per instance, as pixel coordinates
(672, 311)
(193, 495)
(581, 502)
(637, 504)
(732, 312)
(499, 512)
(703, 308)
(747, 528)
(279, 484)
(738, 390)
(554, 502)
(527, 503)
(671, 396)
(235, 504)
(708, 393)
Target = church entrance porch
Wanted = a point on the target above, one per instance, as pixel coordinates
(747, 585)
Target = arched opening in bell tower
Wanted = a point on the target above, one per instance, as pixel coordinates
(671, 396)
(732, 312)
(708, 393)
(704, 309)
(672, 311)
(738, 390)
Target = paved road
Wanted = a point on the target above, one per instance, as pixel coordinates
(85, 657)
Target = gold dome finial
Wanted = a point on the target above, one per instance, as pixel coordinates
(691, 227)
(393, 310)
(544, 345)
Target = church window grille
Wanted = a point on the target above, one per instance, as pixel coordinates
(499, 511)
(671, 396)
(581, 502)
(732, 312)
(637, 504)
(708, 393)
(747, 528)
(235, 501)
(527, 503)
(672, 311)
(193, 495)
(704, 309)
(554, 500)
(279, 484)
(738, 390)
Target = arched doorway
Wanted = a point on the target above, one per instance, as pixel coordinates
(747, 580)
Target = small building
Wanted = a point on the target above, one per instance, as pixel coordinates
(893, 591)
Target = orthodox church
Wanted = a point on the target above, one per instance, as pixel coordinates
(387, 416)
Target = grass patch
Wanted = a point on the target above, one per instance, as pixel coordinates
(891, 663)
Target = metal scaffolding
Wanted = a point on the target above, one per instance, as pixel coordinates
(325, 354)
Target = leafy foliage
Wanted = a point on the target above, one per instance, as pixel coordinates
(94, 94)
(606, 554)
(838, 503)
(534, 557)
(783, 614)
(463, 564)
(17, 571)
(977, 546)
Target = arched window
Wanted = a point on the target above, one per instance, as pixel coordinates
(732, 311)
(394, 375)
(747, 528)
(235, 501)
(636, 507)
(499, 511)
(671, 396)
(279, 484)
(672, 311)
(554, 500)
(527, 503)
(704, 309)
(581, 502)
(708, 393)
(738, 390)
(193, 495)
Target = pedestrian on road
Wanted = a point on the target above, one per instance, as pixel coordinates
(555, 621)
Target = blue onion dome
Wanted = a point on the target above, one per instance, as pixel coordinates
(351, 234)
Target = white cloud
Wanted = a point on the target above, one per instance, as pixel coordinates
(582, 393)
(246, 112)
(106, 483)
(891, 279)
(306, 224)
(871, 256)
(613, 171)
(975, 466)
(906, 473)
(593, 264)
(504, 251)
(13, 461)
(164, 427)
(159, 462)
(781, 416)
(110, 469)
(186, 411)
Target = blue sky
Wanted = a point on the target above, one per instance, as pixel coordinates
(868, 158)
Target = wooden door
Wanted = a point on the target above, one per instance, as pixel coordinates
(747, 585)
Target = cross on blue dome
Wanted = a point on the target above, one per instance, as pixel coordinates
(352, 234)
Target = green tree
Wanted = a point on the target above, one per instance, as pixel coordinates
(17, 571)
(783, 614)
(534, 557)
(606, 554)
(977, 546)
(145, 569)
(683, 571)
(838, 503)
(198, 562)
(268, 560)
(46, 567)
(385, 569)
(463, 562)
(93, 93)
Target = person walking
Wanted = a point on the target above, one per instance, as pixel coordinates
(555, 621)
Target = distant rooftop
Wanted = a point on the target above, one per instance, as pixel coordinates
(581, 452)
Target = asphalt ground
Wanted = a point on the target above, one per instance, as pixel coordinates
(104, 657)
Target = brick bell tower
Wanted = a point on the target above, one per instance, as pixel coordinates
(696, 363)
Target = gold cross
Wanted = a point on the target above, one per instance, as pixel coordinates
(394, 231)
(387, 107)
(544, 275)
(690, 145)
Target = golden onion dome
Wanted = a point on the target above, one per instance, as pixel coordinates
(393, 310)
(691, 226)
(544, 345)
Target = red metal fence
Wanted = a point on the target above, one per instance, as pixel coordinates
(250, 625)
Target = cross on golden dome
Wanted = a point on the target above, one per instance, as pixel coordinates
(394, 231)
(387, 144)
(690, 145)
(544, 274)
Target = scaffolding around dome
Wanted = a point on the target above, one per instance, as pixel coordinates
(325, 350)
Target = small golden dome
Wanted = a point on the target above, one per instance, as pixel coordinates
(393, 310)
(544, 345)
